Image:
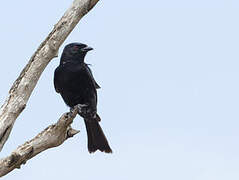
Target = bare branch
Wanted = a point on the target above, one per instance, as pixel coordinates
(26, 82)
(54, 135)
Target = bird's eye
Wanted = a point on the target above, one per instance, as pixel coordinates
(75, 49)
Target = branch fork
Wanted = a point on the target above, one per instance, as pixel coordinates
(54, 135)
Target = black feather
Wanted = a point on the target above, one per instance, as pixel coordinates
(74, 80)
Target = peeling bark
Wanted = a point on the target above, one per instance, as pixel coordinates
(54, 135)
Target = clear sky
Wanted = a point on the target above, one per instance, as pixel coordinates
(170, 94)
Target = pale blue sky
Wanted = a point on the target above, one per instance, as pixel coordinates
(170, 94)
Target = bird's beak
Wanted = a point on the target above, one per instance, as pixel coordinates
(87, 48)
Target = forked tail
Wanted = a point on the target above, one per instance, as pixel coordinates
(96, 137)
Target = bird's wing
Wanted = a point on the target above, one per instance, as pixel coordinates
(63, 76)
(56, 80)
(91, 76)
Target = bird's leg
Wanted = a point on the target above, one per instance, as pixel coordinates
(71, 109)
(82, 109)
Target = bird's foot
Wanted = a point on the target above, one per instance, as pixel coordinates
(82, 109)
(72, 109)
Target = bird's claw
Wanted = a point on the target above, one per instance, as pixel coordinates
(82, 109)
(71, 110)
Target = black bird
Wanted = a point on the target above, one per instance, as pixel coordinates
(73, 79)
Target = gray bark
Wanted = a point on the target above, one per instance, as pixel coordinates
(54, 135)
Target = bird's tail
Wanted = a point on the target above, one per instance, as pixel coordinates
(96, 137)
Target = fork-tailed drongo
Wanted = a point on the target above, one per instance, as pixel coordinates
(73, 79)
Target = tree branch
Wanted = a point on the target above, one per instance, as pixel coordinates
(54, 135)
(26, 82)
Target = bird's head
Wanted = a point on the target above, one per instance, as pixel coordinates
(75, 52)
